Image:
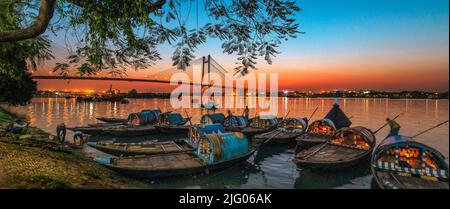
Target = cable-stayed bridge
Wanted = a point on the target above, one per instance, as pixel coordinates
(207, 66)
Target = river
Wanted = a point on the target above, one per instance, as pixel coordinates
(270, 167)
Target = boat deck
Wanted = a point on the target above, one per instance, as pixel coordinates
(330, 153)
(312, 138)
(276, 134)
(159, 162)
(160, 147)
(410, 182)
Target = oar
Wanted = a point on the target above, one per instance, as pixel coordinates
(317, 150)
(287, 114)
(313, 113)
(436, 126)
(386, 124)
(278, 131)
(273, 136)
(189, 118)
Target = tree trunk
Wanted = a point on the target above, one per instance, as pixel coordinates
(46, 10)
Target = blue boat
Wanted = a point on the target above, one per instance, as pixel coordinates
(234, 123)
(172, 123)
(145, 117)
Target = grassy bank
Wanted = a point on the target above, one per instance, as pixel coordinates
(36, 160)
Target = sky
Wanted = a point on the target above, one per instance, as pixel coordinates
(390, 45)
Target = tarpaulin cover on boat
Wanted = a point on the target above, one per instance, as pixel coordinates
(236, 122)
(338, 117)
(217, 118)
(263, 122)
(403, 154)
(172, 119)
(214, 148)
(145, 117)
(156, 111)
(294, 124)
(356, 137)
(322, 127)
(211, 129)
(196, 132)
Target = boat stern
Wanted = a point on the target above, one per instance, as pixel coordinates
(103, 160)
(92, 144)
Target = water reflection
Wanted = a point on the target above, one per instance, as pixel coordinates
(270, 167)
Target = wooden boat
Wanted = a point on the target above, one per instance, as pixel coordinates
(348, 147)
(217, 118)
(286, 133)
(318, 132)
(236, 123)
(119, 130)
(142, 118)
(113, 120)
(143, 148)
(93, 131)
(197, 132)
(172, 123)
(214, 152)
(168, 165)
(130, 131)
(137, 124)
(399, 162)
(145, 117)
(233, 124)
(106, 124)
(322, 130)
(260, 125)
(172, 129)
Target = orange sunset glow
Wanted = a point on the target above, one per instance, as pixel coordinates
(362, 47)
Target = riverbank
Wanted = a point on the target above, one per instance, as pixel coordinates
(36, 160)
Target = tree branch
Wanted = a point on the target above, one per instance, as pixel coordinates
(46, 10)
(81, 3)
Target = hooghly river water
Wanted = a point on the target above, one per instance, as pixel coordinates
(270, 167)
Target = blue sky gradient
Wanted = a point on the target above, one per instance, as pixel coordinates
(383, 44)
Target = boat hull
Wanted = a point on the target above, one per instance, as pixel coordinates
(250, 132)
(112, 120)
(164, 173)
(184, 148)
(93, 131)
(335, 154)
(173, 129)
(336, 165)
(405, 182)
(276, 137)
(131, 131)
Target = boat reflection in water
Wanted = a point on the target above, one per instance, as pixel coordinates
(272, 166)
